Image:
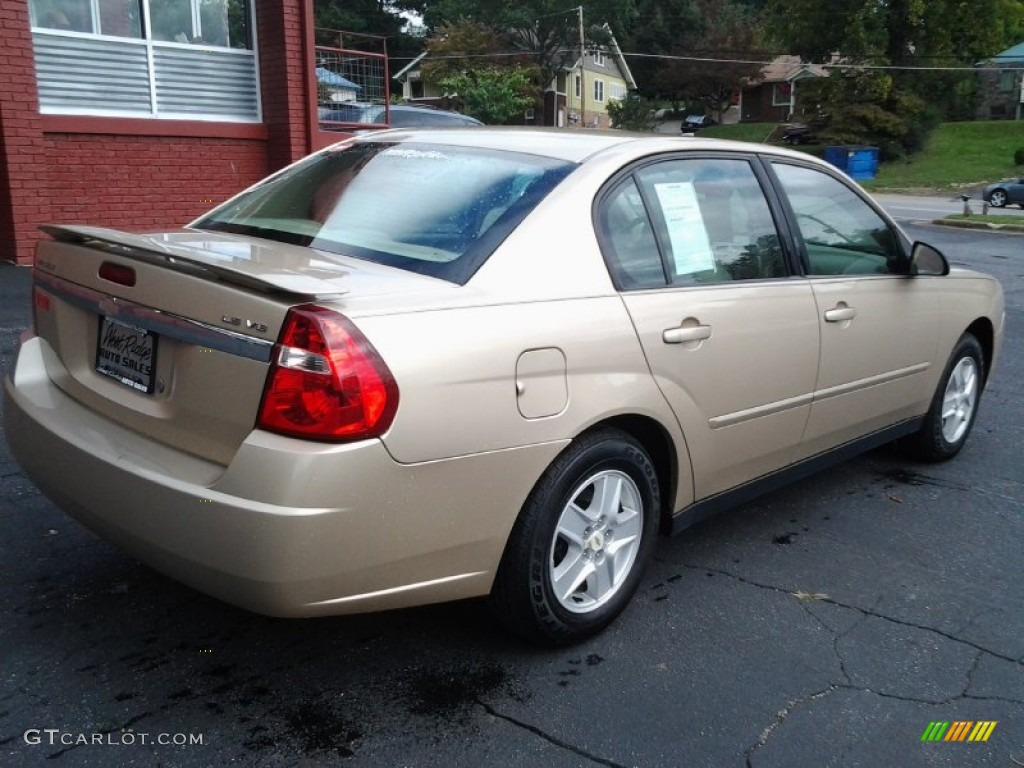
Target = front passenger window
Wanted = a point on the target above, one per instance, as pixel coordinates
(842, 234)
(712, 220)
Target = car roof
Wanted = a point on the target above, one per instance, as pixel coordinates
(570, 145)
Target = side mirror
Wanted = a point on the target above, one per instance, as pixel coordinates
(927, 260)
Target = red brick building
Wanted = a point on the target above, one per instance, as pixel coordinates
(139, 114)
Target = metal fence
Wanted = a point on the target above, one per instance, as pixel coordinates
(351, 79)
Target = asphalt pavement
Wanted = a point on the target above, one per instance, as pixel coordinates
(831, 623)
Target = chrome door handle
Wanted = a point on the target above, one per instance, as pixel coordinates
(683, 334)
(840, 314)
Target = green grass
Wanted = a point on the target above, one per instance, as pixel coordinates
(740, 131)
(957, 155)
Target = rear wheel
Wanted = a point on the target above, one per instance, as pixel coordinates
(998, 198)
(581, 543)
(954, 405)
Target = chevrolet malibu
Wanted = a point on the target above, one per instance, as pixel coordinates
(429, 365)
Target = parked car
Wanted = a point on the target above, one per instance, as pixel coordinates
(694, 123)
(1005, 193)
(799, 133)
(429, 365)
(397, 115)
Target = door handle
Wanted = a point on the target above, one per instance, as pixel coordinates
(840, 314)
(683, 334)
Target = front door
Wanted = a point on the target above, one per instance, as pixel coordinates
(879, 326)
(730, 335)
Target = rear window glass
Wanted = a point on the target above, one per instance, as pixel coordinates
(433, 209)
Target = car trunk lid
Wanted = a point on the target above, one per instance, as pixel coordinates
(171, 334)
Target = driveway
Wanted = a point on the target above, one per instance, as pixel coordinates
(827, 624)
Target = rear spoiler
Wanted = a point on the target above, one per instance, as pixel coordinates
(194, 261)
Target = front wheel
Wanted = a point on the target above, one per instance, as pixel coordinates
(998, 198)
(954, 405)
(582, 541)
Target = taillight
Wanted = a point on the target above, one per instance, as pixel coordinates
(40, 303)
(326, 381)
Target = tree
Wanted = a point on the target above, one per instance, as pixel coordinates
(545, 29)
(371, 17)
(711, 40)
(464, 45)
(888, 95)
(491, 95)
(631, 114)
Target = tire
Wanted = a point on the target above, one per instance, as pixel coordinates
(997, 199)
(581, 543)
(954, 406)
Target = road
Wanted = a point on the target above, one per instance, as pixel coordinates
(924, 208)
(827, 624)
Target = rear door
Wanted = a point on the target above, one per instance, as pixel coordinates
(730, 335)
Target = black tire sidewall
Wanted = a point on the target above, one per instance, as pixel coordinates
(933, 444)
(525, 573)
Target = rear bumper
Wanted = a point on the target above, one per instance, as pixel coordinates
(288, 528)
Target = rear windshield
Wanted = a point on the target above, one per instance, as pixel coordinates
(433, 209)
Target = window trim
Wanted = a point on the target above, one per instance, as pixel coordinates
(599, 90)
(152, 47)
(598, 58)
(778, 102)
(1007, 81)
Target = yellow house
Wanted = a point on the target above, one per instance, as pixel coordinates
(604, 76)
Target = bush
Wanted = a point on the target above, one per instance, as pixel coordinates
(1018, 156)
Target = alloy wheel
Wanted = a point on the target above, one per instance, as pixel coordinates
(596, 541)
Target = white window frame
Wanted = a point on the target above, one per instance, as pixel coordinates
(617, 91)
(785, 101)
(1007, 81)
(152, 49)
(599, 90)
(578, 85)
(598, 58)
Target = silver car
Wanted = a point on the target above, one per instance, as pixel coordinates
(1005, 193)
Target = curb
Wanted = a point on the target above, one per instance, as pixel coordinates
(980, 225)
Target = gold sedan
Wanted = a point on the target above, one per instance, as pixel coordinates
(430, 365)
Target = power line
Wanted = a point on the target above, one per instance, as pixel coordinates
(717, 60)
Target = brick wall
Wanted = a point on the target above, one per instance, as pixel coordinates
(140, 174)
(23, 193)
(283, 77)
(139, 182)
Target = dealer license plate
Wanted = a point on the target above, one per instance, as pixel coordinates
(127, 353)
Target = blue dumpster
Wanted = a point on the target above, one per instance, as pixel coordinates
(860, 163)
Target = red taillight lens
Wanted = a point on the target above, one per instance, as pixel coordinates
(40, 303)
(326, 381)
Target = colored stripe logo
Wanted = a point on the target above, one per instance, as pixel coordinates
(959, 730)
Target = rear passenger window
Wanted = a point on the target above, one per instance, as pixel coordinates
(712, 220)
(629, 242)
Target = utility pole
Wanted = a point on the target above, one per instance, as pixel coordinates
(583, 79)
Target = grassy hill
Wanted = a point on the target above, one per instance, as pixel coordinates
(958, 155)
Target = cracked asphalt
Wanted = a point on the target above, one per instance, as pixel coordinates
(827, 624)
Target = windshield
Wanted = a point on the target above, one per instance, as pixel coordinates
(433, 209)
